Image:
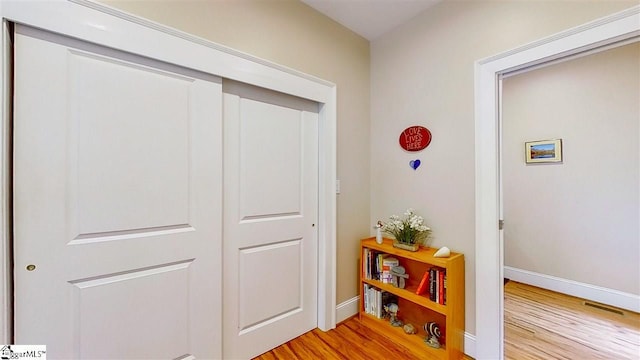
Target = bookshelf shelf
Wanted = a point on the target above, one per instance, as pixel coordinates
(419, 309)
(408, 293)
(414, 342)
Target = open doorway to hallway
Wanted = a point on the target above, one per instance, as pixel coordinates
(573, 226)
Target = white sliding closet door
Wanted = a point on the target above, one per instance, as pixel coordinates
(270, 219)
(117, 193)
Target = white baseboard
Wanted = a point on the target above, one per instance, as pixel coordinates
(470, 344)
(595, 293)
(349, 308)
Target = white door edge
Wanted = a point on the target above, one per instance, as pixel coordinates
(327, 174)
(6, 327)
(612, 29)
(104, 25)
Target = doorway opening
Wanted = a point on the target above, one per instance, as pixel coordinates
(608, 31)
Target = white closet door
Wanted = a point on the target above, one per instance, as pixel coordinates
(270, 215)
(117, 203)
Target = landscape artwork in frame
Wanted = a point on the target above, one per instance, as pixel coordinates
(545, 151)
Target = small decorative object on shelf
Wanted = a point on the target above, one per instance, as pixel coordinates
(443, 252)
(409, 233)
(378, 228)
(399, 275)
(409, 329)
(433, 334)
(392, 310)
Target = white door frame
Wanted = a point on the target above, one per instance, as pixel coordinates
(100, 24)
(489, 247)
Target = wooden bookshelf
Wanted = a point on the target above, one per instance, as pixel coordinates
(419, 309)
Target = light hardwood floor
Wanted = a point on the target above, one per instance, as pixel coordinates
(539, 324)
(350, 340)
(542, 324)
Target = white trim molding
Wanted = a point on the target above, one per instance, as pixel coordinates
(470, 344)
(581, 290)
(347, 309)
(613, 29)
(100, 24)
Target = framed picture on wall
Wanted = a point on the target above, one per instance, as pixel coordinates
(543, 151)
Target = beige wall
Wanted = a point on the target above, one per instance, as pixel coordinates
(579, 220)
(292, 34)
(422, 73)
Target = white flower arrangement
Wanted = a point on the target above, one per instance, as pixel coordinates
(410, 230)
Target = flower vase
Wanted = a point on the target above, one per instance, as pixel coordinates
(379, 236)
(408, 247)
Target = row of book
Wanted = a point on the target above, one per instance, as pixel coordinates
(377, 266)
(376, 300)
(434, 282)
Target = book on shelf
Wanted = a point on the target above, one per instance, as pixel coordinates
(444, 297)
(441, 287)
(372, 304)
(387, 264)
(367, 264)
(437, 285)
(367, 299)
(379, 258)
(377, 265)
(372, 264)
(432, 284)
(422, 288)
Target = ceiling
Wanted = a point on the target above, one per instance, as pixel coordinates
(370, 18)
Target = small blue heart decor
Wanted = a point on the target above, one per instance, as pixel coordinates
(414, 164)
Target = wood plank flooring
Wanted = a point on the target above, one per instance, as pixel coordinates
(350, 340)
(539, 324)
(542, 324)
